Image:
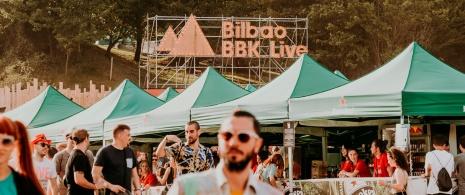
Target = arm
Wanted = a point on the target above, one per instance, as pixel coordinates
(57, 161)
(389, 170)
(53, 182)
(135, 179)
(273, 181)
(176, 189)
(161, 147)
(81, 181)
(96, 175)
(353, 174)
(165, 177)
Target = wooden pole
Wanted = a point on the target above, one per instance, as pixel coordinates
(111, 68)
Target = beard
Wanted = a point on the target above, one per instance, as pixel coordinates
(193, 140)
(239, 165)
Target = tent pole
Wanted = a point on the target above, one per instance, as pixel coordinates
(402, 119)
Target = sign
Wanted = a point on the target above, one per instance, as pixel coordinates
(402, 137)
(242, 40)
(289, 134)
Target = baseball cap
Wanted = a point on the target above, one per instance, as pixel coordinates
(41, 138)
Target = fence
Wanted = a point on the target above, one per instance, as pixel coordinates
(15, 96)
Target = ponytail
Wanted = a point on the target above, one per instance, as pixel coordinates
(26, 168)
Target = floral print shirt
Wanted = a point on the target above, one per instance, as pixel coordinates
(186, 159)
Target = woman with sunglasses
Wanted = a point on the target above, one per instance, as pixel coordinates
(274, 167)
(397, 159)
(14, 136)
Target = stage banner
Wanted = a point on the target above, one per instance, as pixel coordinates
(348, 186)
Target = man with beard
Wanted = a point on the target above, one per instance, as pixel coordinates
(238, 142)
(191, 156)
(61, 158)
(44, 168)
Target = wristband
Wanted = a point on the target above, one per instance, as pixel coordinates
(389, 184)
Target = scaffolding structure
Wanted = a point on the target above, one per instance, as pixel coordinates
(160, 69)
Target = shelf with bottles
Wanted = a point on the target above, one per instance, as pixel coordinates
(417, 171)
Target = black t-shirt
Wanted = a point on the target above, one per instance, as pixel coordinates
(117, 165)
(78, 161)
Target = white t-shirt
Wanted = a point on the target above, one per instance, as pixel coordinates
(446, 159)
(44, 171)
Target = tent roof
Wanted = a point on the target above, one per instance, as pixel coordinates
(250, 88)
(46, 108)
(414, 82)
(209, 89)
(126, 100)
(168, 94)
(270, 103)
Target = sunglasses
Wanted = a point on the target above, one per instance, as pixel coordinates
(69, 137)
(7, 142)
(244, 136)
(44, 144)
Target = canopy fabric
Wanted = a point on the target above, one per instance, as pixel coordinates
(250, 88)
(413, 83)
(168, 94)
(270, 103)
(339, 73)
(209, 89)
(126, 100)
(46, 108)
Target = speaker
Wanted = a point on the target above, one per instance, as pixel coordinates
(402, 138)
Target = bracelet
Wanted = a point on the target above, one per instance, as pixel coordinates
(389, 184)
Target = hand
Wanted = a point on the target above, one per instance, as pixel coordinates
(137, 192)
(99, 184)
(116, 188)
(173, 138)
(146, 187)
(382, 183)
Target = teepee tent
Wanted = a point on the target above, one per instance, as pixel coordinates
(168, 94)
(209, 89)
(48, 107)
(270, 103)
(413, 83)
(126, 100)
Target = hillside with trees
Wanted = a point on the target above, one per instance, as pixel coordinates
(53, 40)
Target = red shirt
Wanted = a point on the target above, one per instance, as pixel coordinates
(343, 164)
(381, 165)
(149, 179)
(361, 167)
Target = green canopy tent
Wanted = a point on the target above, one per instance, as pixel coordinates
(168, 94)
(126, 100)
(339, 73)
(270, 103)
(413, 83)
(209, 89)
(250, 88)
(46, 108)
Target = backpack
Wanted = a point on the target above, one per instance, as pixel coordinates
(443, 179)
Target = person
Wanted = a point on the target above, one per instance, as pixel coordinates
(117, 163)
(78, 172)
(355, 167)
(61, 146)
(146, 178)
(345, 155)
(168, 174)
(273, 169)
(190, 156)
(459, 161)
(238, 142)
(262, 154)
(44, 169)
(14, 136)
(447, 147)
(51, 153)
(399, 179)
(61, 158)
(381, 167)
(435, 161)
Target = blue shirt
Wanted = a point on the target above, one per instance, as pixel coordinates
(8, 185)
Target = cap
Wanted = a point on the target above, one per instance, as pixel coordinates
(40, 138)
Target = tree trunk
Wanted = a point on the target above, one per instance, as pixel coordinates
(110, 46)
(68, 55)
(139, 36)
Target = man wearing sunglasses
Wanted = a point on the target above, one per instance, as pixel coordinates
(45, 169)
(191, 156)
(61, 158)
(238, 142)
